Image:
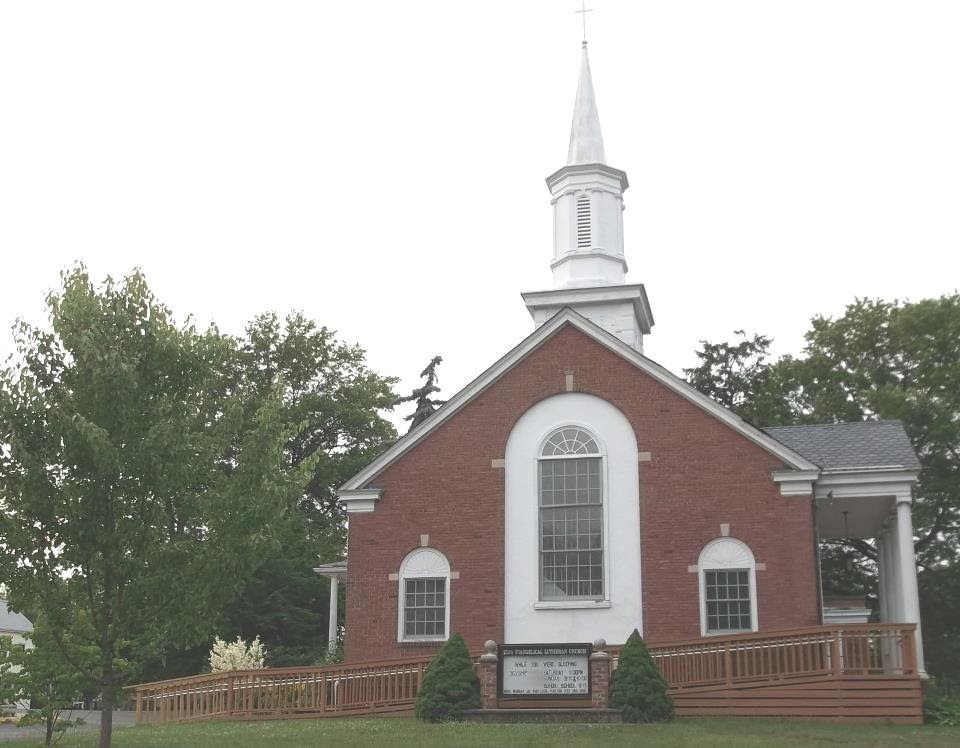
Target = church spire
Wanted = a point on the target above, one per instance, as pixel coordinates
(588, 263)
(586, 140)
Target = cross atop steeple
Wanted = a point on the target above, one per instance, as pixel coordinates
(583, 14)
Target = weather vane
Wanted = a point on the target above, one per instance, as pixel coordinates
(583, 14)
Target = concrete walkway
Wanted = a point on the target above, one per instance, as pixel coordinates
(92, 718)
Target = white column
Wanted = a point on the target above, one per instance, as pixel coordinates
(910, 596)
(885, 570)
(883, 580)
(332, 624)
(893, 559)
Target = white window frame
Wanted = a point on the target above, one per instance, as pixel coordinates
(727, 554)
(575, 601)
(423, 563)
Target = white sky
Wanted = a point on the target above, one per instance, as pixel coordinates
(381, 165)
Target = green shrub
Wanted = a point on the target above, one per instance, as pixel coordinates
(637, 688)
(450, 685)
(941, 703)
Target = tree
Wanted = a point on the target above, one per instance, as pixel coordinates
(637, 688)
(450, 685)
(327, 389)
(739, 377)
(135, 485)
(879, 360)
(421, 396)
(44, 677)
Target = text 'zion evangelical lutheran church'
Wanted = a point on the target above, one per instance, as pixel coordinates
(545, 671)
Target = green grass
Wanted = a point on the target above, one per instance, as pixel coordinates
(696, 732)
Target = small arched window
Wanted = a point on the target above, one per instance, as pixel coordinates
(424, 599)
(571, 516)
(728, 587)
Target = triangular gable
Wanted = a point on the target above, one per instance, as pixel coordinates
(568, 316)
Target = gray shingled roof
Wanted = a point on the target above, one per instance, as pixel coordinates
(12, 622)
(838, 446)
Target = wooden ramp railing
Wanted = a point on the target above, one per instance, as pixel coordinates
(874, 653)
(861, 649)
(283, 693)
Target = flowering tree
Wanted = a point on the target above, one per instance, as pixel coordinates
(236, 655)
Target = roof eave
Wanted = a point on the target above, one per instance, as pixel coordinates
(791, 459)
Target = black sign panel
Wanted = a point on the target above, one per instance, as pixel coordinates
(544, 671)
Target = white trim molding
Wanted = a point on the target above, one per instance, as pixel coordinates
(864, 483)
(423, 563)
(362, 500)
(726, 554)
(795, 482)
(557, 620)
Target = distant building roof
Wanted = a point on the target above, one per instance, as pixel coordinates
(11, 622)
(850, 446)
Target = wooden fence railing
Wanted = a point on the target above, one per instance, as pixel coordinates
(392, 685)
(272, 693)
(860, 649)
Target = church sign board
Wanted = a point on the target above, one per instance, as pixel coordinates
(544, 671)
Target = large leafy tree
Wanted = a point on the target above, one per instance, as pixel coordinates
(139, 480)
(326, 388)
(879, 360)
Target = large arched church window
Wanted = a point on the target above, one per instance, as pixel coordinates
(728, 587)
(571, 516)
(424, 599)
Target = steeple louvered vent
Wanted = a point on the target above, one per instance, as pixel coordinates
(583, 222)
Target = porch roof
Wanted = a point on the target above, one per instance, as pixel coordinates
(838, 447)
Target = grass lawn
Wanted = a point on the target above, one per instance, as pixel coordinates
(698, 732)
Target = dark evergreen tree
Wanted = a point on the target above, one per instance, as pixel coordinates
(637, 687)
(450, 686)
(425, 404)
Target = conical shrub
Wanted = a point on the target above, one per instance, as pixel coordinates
(450, 686)
(637, 687)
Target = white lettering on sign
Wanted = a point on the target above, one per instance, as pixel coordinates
(545, 671)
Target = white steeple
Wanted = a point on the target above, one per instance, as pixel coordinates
(586, 140)
(588, 263)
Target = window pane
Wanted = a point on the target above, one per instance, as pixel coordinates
(571, 517)
(424, 612)
(570, 441)
(728, 600)
(566, 482)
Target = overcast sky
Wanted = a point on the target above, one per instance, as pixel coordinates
(381, 165)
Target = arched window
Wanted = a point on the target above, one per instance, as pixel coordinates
(424, 599)
(571, 516)
(728, 587)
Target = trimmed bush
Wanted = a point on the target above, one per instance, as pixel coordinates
(449, 685)
(637, 688)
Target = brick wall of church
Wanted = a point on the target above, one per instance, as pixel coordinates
(701, 474)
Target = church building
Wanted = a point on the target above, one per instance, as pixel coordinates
(576, 489)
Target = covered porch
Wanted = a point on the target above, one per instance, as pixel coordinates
(876, 507)
(865, 491)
